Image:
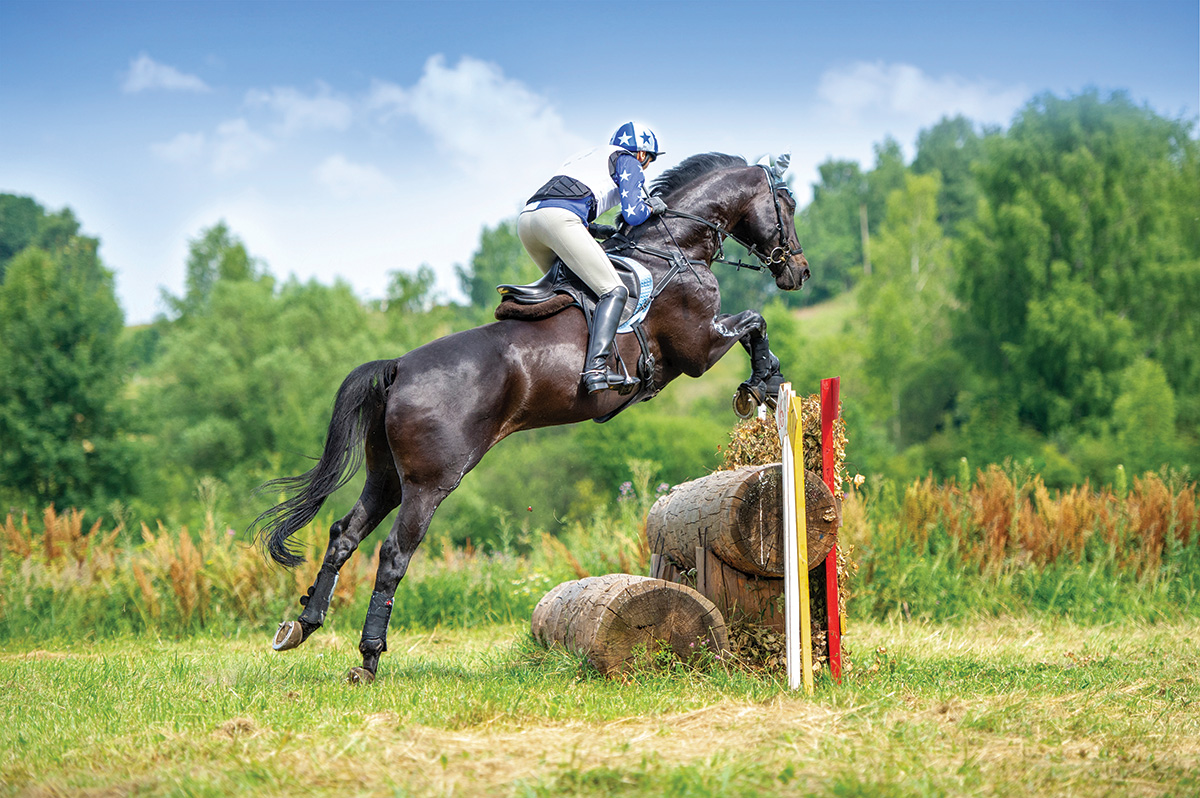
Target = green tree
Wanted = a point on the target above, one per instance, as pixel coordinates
(950, 149)
(500, 259)
(830, 228)
(905, 304)
(243, 391)
(1061, 274)
(887, 176)
(61, 415)
(19, 217)
(1068, 364)
(1144, 418)
(410, 292)
(215, 255)
(836, 228)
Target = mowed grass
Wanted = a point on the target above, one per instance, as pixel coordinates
(997, 707)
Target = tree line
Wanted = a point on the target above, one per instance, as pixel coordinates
(1024, 293)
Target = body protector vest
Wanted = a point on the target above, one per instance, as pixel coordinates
(586, 176)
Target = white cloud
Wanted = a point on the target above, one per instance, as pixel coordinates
(185, 148)
(236, 147)
(346, 179)
(320, 111)
(477, 116)
(377, 201)
(146, 73)
(232, 147)
(902, 92)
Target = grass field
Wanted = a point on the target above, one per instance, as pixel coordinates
(1013, 706)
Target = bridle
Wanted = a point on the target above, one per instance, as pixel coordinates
(680, 262)
(776, 257)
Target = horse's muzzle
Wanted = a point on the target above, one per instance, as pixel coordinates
(793, 276)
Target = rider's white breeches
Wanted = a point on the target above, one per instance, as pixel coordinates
(556, 232)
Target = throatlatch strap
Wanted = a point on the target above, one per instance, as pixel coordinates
(379, 613)
(319, 598)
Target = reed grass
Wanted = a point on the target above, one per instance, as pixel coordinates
(1002, 544)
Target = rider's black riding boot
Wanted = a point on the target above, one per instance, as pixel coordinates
(606, 319)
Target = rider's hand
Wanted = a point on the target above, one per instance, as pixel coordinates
(657, 206)
(602, 231)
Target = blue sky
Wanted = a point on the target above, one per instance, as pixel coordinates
(348, 140)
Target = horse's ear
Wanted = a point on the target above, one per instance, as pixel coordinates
(781, 164)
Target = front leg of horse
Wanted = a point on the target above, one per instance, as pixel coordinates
(750, 329)
(765, 377)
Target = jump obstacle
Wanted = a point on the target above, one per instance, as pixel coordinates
(725, 545)
(798, 612)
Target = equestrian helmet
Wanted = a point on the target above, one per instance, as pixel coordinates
(636, 137)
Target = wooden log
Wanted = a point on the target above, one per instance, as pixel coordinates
(739, 596)
(738, 516)
(607, 617)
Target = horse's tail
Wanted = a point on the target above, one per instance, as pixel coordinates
(360, 400)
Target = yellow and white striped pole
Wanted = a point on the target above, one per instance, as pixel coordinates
(797, 608)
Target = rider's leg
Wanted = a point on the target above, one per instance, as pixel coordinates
(562, 233)
(529, 229)
(596, 376)
(550, 232)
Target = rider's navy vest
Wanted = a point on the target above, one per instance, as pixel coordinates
(587, 175)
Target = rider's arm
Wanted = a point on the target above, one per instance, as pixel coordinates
(629, 179)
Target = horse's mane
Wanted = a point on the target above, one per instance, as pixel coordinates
(692, 168)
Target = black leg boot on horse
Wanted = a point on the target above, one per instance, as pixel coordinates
(606, 319)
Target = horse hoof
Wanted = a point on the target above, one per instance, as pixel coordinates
(744, 403)
(289, 635)
(359, 676)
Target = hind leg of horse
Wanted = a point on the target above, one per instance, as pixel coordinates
(380, 495)
(394, 556)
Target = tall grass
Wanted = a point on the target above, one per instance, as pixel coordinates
(1001, 544)
(60, 578)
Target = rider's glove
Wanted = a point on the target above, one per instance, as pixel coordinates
(602, 231)
(657, 206)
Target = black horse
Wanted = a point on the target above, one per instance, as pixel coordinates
(422, 421)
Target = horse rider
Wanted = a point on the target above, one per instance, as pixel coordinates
(554, 224)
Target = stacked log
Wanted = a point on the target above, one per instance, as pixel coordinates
(723, 535)
(610, 618)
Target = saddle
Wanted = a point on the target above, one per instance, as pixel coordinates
(559, 289)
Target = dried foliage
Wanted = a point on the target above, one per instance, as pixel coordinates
(755, 441)
(61, 574)
(63, 578)
(1007, 518)
(761, 649)
(752, 442)
(173, 580)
